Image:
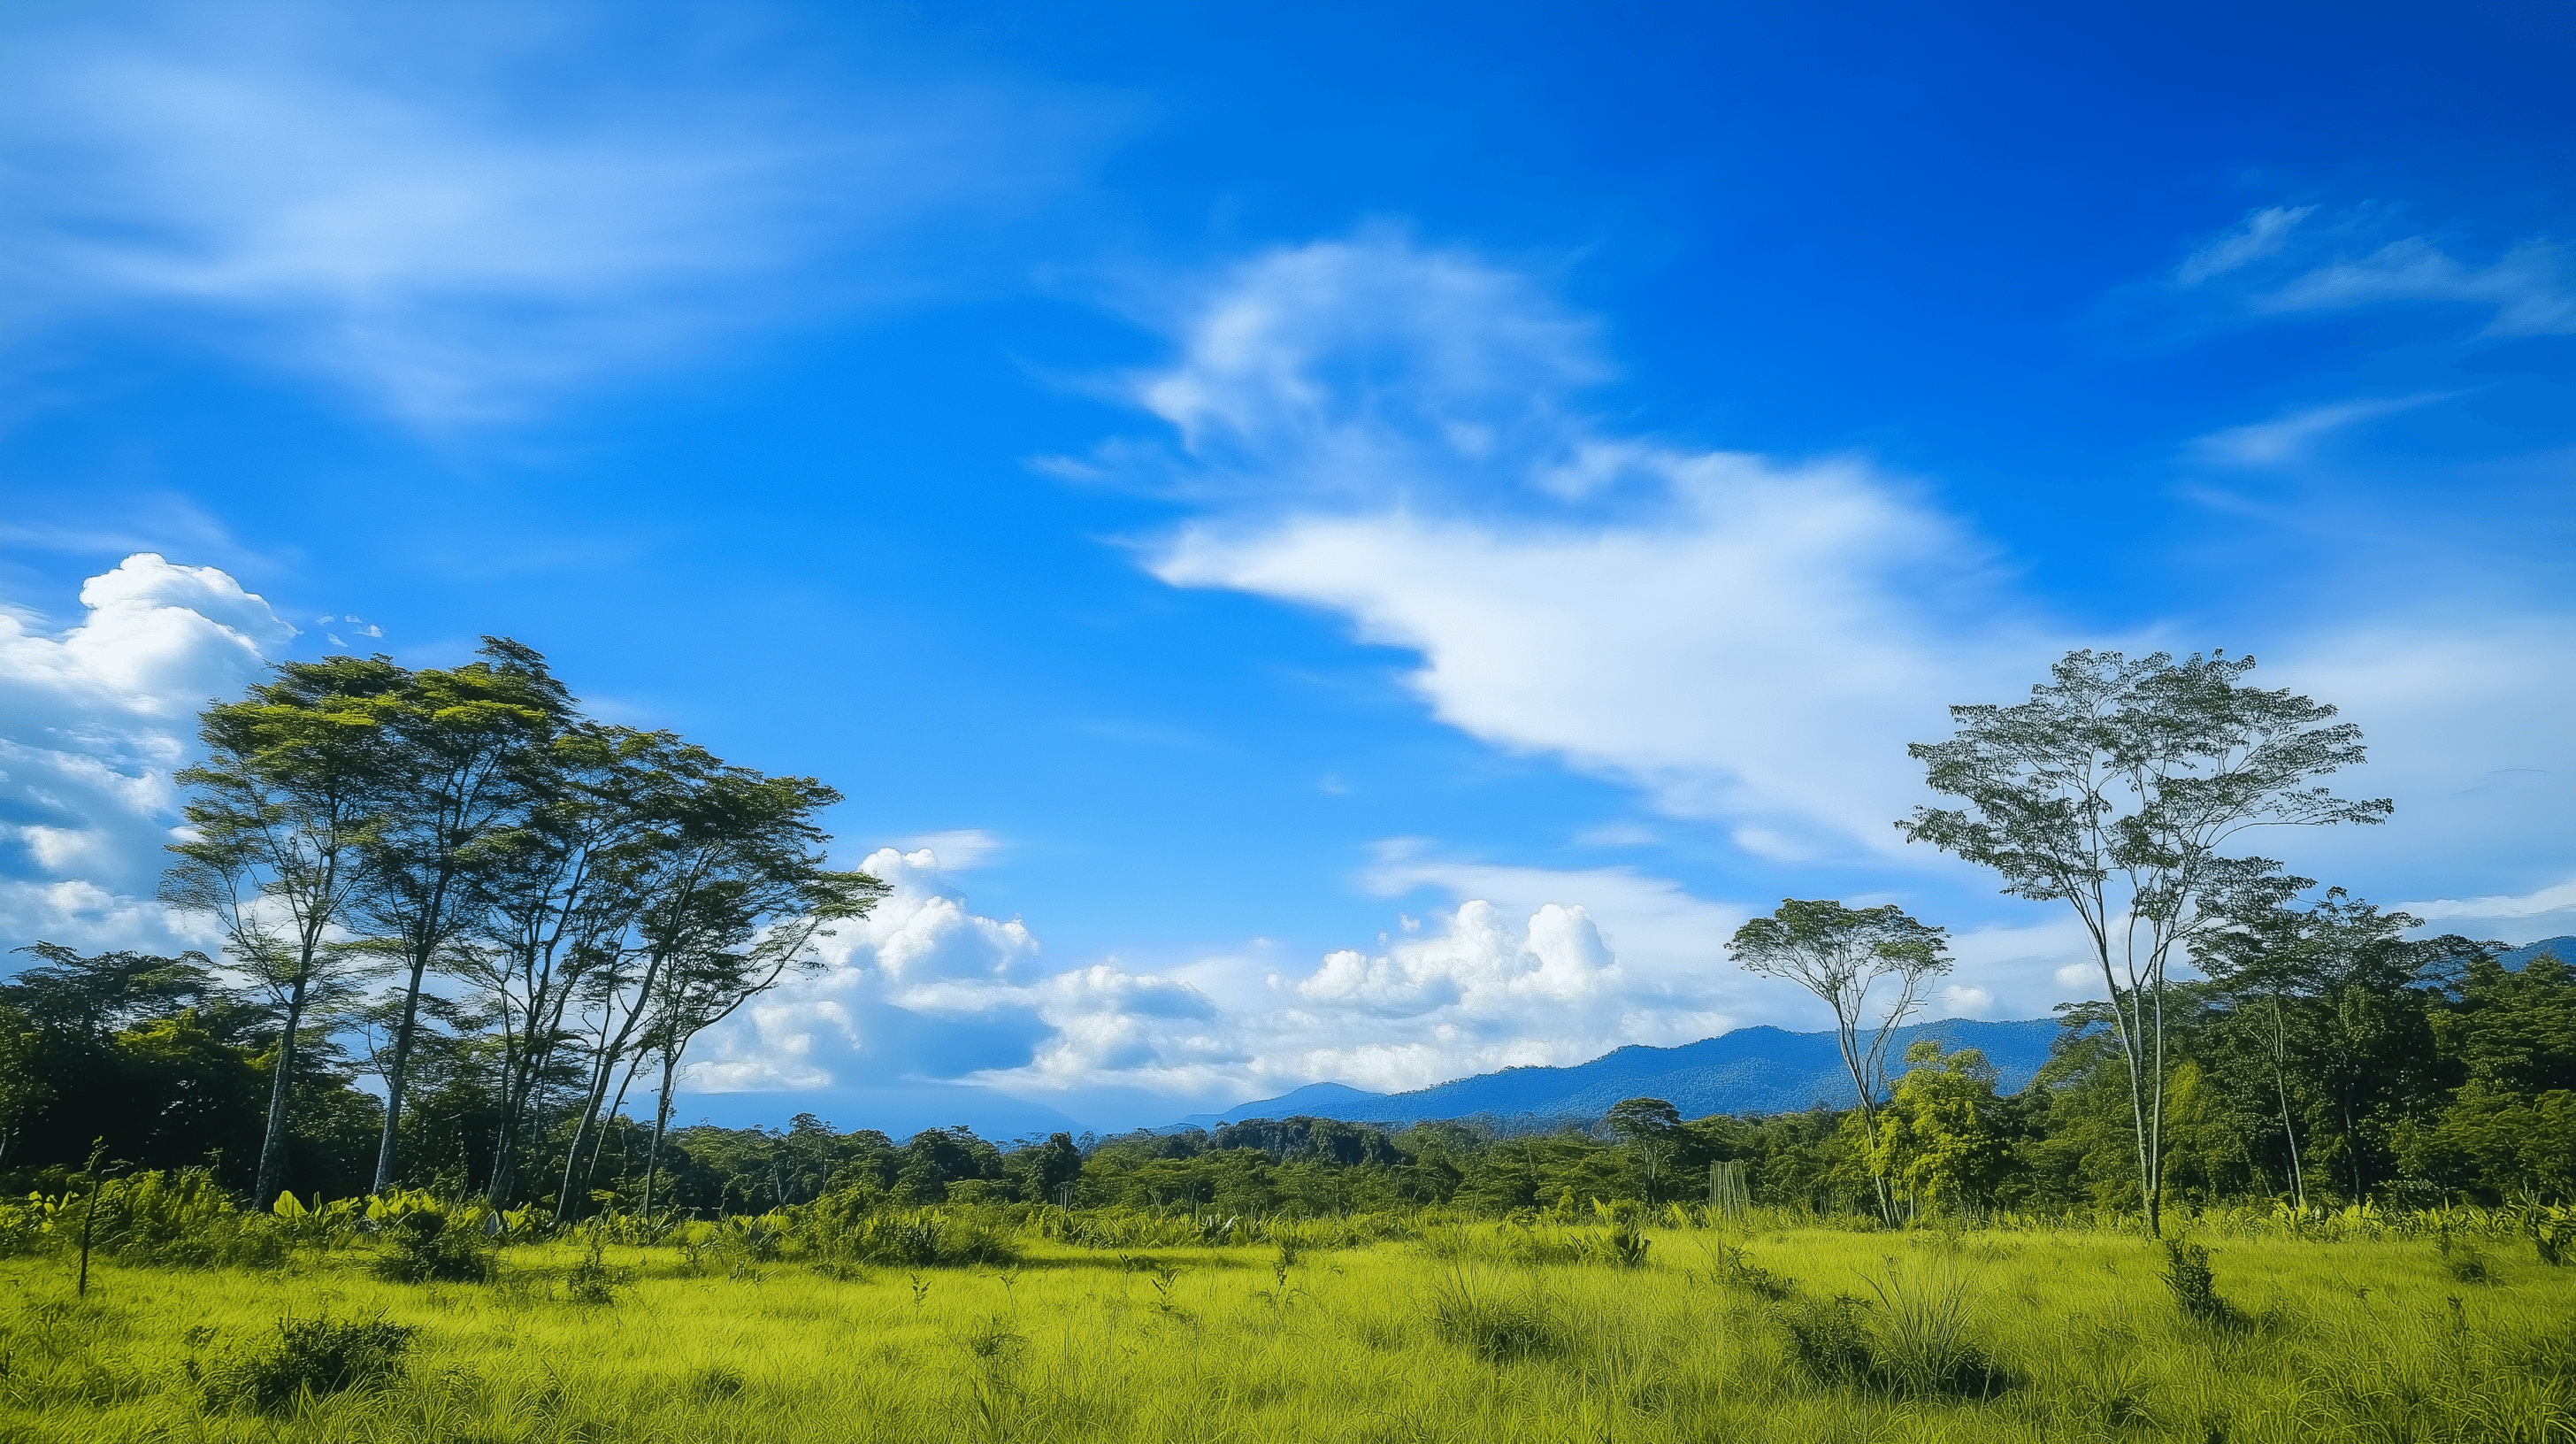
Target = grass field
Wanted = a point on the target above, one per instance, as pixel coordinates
(2070, 1335)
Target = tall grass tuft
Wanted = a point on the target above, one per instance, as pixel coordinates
(310, 1358)
(1475, 1313)
(1924, 1342)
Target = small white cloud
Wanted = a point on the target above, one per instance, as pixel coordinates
(959, 849)
(1962, 1001)
(2262, 233)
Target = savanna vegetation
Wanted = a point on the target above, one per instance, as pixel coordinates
(399, 1162)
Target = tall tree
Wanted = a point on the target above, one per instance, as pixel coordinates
(457, 779)
(765, 939)
(2286, 971)
(2119, 788)
(281, 815)
(1650, 1126)
(1843, 955)
(733, 854)
(552, 910)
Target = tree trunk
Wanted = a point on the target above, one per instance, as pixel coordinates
(272, 1144)
(661, 1122)
(386, 1146)
(2289, 1134)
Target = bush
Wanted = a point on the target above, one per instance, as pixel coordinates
(2553, 1233)
(2194, 1287)
(1830, 1340)
(592, 1282)
(421, 1248)
(312, 1358)
(1735, 1268)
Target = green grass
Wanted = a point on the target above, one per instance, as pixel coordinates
(2364, 1340)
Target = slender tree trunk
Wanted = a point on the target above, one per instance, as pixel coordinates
(272, 1144)
(1847, 1032)
(2281, 1086)
(599, 1144)
(661, 1122)
(386, 1146)
(2155, 1141)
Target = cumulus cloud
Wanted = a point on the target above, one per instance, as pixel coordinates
(926, 990)
(380, 201)
(94, 719)
(1743, 637)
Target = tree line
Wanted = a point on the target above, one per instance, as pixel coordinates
(449, 878)
(594, 897)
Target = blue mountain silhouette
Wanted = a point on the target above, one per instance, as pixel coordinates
(1750, 1070)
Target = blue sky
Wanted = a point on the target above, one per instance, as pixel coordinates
(1360, 541)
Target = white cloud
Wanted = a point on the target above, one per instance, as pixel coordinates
(2531, 288)
(2515, 918)
(94, 719)
(1760, 650)
(959, 849)
(463, 210)
(2287, 438)
(2262, 233)
(1744, 639)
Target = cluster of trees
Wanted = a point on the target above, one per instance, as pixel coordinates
(451, 879)
(509, 913)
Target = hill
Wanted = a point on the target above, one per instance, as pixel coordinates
(1750, 1070)
(2562, 948)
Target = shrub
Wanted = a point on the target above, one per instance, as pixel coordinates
(2553, 1233)
(1829, 1339)
(592, 1281)
(1624, 1246)
(1735, 1268)
(2194, 1287)
(311, 1358)
(1489, 1324)
(420, 1248)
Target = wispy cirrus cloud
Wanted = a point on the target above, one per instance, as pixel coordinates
(2292, 260)
(2264, 232)
(2289, 438)
(2529, 290)
(384, 200)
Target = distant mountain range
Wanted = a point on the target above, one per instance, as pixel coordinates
(1751, 1070)
(2564, 949)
